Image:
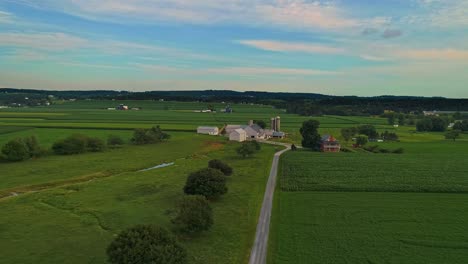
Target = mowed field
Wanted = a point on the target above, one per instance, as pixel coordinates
(374, 208)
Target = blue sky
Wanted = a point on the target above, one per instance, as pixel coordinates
(352, 47)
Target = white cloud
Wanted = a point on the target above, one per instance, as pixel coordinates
(441, 13)
(433, 54)
(42, 41)
(282, 46)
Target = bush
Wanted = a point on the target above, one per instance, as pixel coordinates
(114, 141)
(149, 136)
(361, 140)
(16, 150)
(208, 182)
(194, 214)
(245, 150)
(33, 146)
(95, 145)
(146, 244)
(399, 151)
(73, 144)
(219, 165)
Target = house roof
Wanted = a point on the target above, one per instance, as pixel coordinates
(328, 138)
(207, 128)
(239, 131)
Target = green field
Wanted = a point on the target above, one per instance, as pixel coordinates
(84, 200)
(373, 208)
(335, 208)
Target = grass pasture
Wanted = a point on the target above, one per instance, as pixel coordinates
(373, 208)
(73, 222)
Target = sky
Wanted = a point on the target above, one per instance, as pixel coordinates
(347, 47)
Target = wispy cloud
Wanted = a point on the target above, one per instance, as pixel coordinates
(282, 46)
(391, 33)
(297, 14)
(236, 71)
(434, 54)
(5, 17)
(42, 41)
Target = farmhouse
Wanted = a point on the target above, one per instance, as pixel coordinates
(330, 144)
(238, 135)
(208, 130)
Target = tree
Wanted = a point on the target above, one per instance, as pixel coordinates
(146, 244)
(208, 182)
(348, 132)
(219, 165)
(246, 150)
(73, 144)
(95, 144)
(401, 119)
(368, 130)
(424, 124)
(33, 146)
(361, 140)
(194, 214)
(462, 126)
(255, 145)
(260, 123)
(452, 134)
(457, 116)
(114, 141)
(310, 135)
(15, 150)
(293, 147)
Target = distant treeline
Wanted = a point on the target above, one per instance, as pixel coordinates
(300, 103)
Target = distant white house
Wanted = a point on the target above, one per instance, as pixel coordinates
(238, 135)
(208, 130)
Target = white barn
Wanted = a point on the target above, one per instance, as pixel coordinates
(208, 130)
(238, 135)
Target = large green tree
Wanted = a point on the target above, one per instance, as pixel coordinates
(208, 182)
(194, 214)
(310, 135)
(146, 244)
(219, 165)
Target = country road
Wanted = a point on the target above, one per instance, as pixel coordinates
(259, 251)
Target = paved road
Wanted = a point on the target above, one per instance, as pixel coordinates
(260, 247)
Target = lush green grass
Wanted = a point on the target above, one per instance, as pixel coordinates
(74, 223)
(334, 227)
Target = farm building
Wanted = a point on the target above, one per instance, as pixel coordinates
(330, 144)
(230, 128)
(238, 135)
(208, 130)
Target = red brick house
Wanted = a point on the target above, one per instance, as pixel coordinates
(330, 144)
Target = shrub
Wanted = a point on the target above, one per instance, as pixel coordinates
(245, 150)
(208, 182)
(73, 144)
(114, 141)
(194, 214)
(15, 150)
(95, 144)
(219, 165)
(146, 244)
(399, 151)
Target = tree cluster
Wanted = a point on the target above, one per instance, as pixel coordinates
(22, 149)
(461, 125)
(310, 135)
(78, 143)
(435, 123)
(153, 135)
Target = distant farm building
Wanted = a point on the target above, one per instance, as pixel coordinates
(330, 144)
(255, 132)
(238, 135)
(208, 130)
(430, 113)
(122, 107)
